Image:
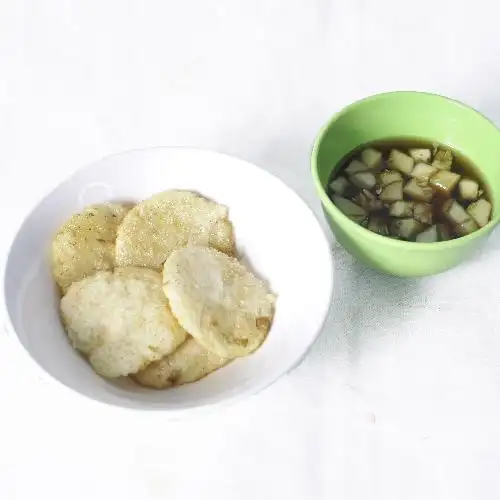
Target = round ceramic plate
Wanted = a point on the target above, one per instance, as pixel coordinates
(277, 235)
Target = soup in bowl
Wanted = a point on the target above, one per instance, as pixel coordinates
(409, 181)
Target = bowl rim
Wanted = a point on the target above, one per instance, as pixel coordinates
(377, 238)
(171, 413)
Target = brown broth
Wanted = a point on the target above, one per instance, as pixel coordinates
(461, 165)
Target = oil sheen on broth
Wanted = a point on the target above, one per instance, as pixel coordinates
(411, 189)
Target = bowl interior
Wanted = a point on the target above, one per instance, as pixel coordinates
(410, 115)
(276, 233)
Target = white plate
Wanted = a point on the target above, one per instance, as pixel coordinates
(276, 232)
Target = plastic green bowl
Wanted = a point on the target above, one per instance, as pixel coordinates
(411, 115)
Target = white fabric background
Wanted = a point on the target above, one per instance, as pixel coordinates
(400, 397)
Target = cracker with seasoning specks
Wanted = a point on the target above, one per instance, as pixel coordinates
(85, 243)
(154, 228)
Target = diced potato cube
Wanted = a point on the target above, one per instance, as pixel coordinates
(423, 172)
(350, 209)
(371, 158)
(378, 225)
(364, 180)
(355, 166)
(454, 212)
(430, 235)
(423, 212)
(443, 159)
(420, 154)
(401, 162)
(480, 211)
(368, 201)
(468, 189)
(445, 181)
(339, 185)
(389, 176)
(391, 193)
(401, 209)
(467, 227)
(406, 228)
(418, 190)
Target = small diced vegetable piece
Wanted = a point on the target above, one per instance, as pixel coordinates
(443, 159)
(393, 192)
(468, 189)
(389, 176)
(423, 172)
(444, 232)
(467, 227)
(454, 212)
(423, 212)
(401, 209)
(444, 180)
(420, 154)
(406, 228)
(371, 158)
(430, 235)
(364, 180)
(339, 185)
(401, 162)
(378, 225)
(418, 190)
(347, 207)
(355, 166)
(480, 211)
(368, 201)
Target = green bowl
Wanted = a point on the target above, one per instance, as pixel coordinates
(411, 115)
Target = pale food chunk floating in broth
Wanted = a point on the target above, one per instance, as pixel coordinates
(423, 172)
(401, 162)
(468, 189)
(480, 211)
(420, 154)
(371, 158)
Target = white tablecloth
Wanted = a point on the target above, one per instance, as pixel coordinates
(400, 396)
